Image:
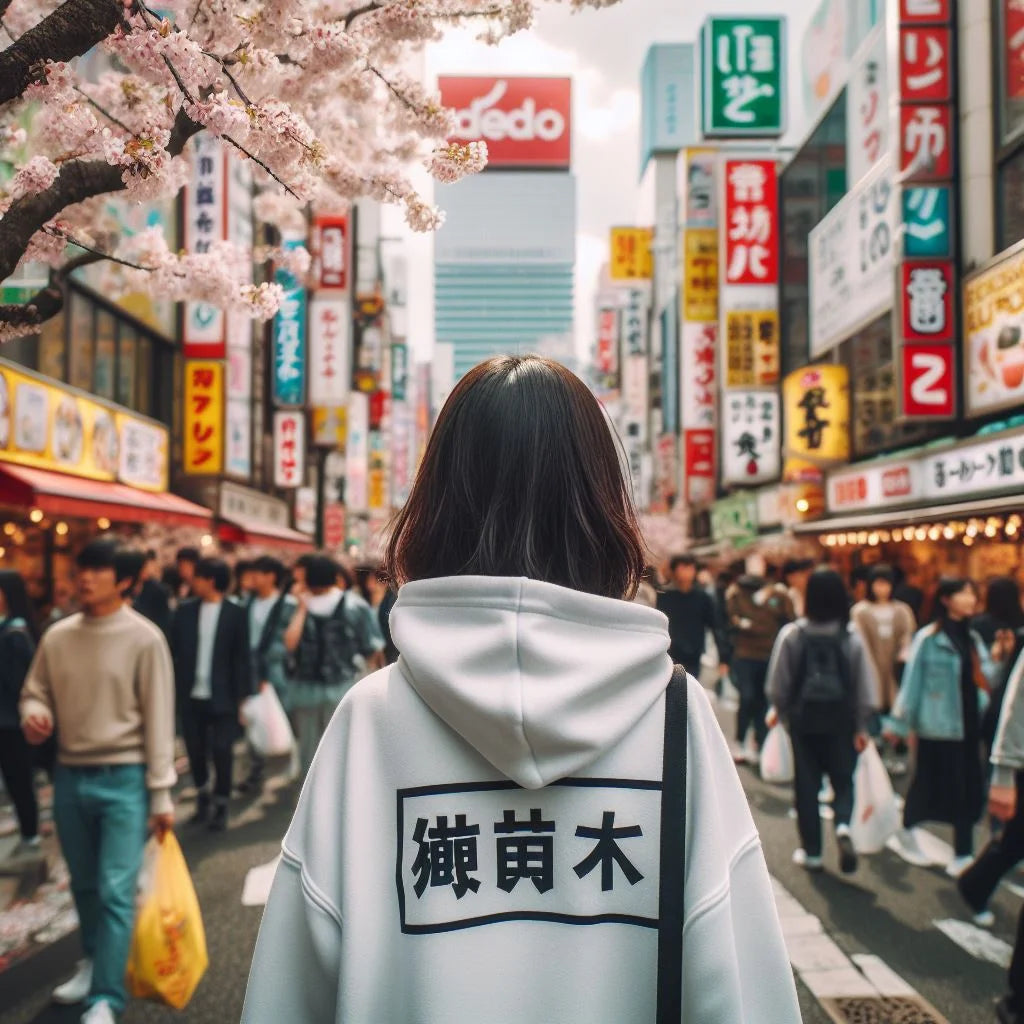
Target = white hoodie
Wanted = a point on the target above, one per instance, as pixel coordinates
(417, 883)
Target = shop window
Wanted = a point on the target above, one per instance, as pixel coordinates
(144, 375)
(106, 355)
(80, 342)
(126, 357)
(1010, 220)
(52, 348)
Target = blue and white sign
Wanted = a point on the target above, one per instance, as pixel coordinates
(289, 339)
(926, 217)
(668, 119)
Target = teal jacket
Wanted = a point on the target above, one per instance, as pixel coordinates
(929, 701)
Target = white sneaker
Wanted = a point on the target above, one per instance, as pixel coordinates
(827, 794)
(958, 865)
(802, 860)
(910, 849)
(99, 1013)
(985, 919)
(77, 987)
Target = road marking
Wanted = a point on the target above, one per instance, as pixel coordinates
(257, 885)
(938, 852)
(980, 944)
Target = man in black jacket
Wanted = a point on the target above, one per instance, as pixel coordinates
(212, 673)
(691, 613)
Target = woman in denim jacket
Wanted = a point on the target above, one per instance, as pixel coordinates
(941, 700)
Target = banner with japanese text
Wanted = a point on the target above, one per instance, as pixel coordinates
(289, 340)
(330, 351)
(631, 258)
(750, 437)
(289, 448)
(867, 108)
(816, 403)
(700, 274)
(204, 417)
(751, 348)
(751, 222)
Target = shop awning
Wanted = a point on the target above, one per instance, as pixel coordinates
(58, 494)
(242, 530)
(913, 516)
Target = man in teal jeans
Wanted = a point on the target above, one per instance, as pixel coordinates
(103, 679)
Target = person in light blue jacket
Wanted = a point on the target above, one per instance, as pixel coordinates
(944, 691)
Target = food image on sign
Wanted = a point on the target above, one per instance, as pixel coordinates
(105, 447)
(68, 432)
(32, 408)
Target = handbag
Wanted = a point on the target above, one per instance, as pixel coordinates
(673, 853)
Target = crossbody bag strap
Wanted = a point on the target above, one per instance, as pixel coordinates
(673, 853)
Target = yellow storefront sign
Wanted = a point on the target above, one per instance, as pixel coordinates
(330, 426)
(46, 426)
(700, 275)
(751, 348)
(631, 258)
(816, 401)
(204, 417)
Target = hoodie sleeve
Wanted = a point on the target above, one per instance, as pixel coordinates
(782, 670)
(1008, 748)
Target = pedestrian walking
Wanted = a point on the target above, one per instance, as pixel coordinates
(887, 627)
(245, 582)
(796, 574)
(270, 613)
(822, 686)
(333, 637)
(18, 638)
(941, 700)
(150, 598)
(102, 680)
(185, 562)
(213, 675)
(691, 616)
(475, 840)
(757, 612)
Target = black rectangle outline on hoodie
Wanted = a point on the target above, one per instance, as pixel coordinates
(524, 915)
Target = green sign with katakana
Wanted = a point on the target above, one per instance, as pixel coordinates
(744, 85)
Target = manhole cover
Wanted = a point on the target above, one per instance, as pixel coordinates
(860, 1010)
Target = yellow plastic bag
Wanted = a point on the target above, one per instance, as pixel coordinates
(168, 956)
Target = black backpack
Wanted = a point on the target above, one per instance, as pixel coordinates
(824, 700)
(327, 650)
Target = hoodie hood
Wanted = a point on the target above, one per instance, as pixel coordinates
(539, 679)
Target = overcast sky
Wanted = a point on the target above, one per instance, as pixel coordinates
(603, 51)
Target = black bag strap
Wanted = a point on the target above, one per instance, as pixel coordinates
(673, 853)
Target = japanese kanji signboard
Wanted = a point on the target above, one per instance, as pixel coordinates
(744, 77)
(867, 108)
(1010, 29)
(929, 381)
(926, 64)
(751, 348)
(634, 323)
(926, 142)
(475, 855)
(700, 274)
(751, 441)
(734, 519)
(631, 254)
(927, 300)
(927, 229)
(205, 223)
(698, 383)
(699, 188)
(699, 465)
(926, 12)
(289, 448)
(331, 246)
(817, 414)
(608, 343)
(751, 222)
(330, 366)
(289, 342)
(204, 417)
(987, 466)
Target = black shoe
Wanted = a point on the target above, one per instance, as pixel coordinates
(202, 810)
(847, 854)
(253, 784)
(219, 821)
(1006, 1011)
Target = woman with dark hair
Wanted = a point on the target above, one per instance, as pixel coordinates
(944, 692)
(503, 781)
(997, 625)
(822, 685)
(381, 599)
(888, 628)
(18, 636)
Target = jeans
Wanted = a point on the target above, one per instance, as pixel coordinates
(814, 756)
(980, 880)
(17, 768)
(749, 677)
(207, 733)
(101, 816)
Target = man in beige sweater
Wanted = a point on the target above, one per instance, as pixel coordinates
(103, 679)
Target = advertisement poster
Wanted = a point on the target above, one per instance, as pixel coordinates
(204, 417)
(817, 415)
(750, 442)
(289, 448)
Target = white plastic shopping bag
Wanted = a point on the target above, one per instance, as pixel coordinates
(876, 816)
(777, 757)
(266, 723)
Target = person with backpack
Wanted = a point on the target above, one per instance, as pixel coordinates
(822, 686)
(942, 698)
(516, 820)
(332, 637)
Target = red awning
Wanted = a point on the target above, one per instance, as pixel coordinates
(242, 530)
(58, 494)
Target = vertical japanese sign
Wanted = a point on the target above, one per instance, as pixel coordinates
(204, 417)
(332, 253)
(867, 108)
(205, 224)
(750, 429)
(357, 452)
(699, 391)
(743, 77)
(634, 323)
(700, 274)
(926, 314)
(631, 258)
(1010, 29)
(751, 222)
(289, 339)
(607, 346)
(751, 348)
(817, 419)
(289, 448)
(330, 363)
(701, 202)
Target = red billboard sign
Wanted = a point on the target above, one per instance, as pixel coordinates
(926, 64)
(751, 222)
(929, 381)
(526, 122)
(332, 252)
(927, 300)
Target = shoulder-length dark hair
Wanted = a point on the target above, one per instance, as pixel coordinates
(949, 586)
(521, 477)
(827, 598)
(1002, 603)
(18, 604)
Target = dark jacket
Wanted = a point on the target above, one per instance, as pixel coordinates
(16, 651)
(231, 677)
(756, 615)
(154, 602)
(690, 614)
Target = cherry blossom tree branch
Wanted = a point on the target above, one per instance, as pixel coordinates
(75, 27)
(106, 113)
(48, 301)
